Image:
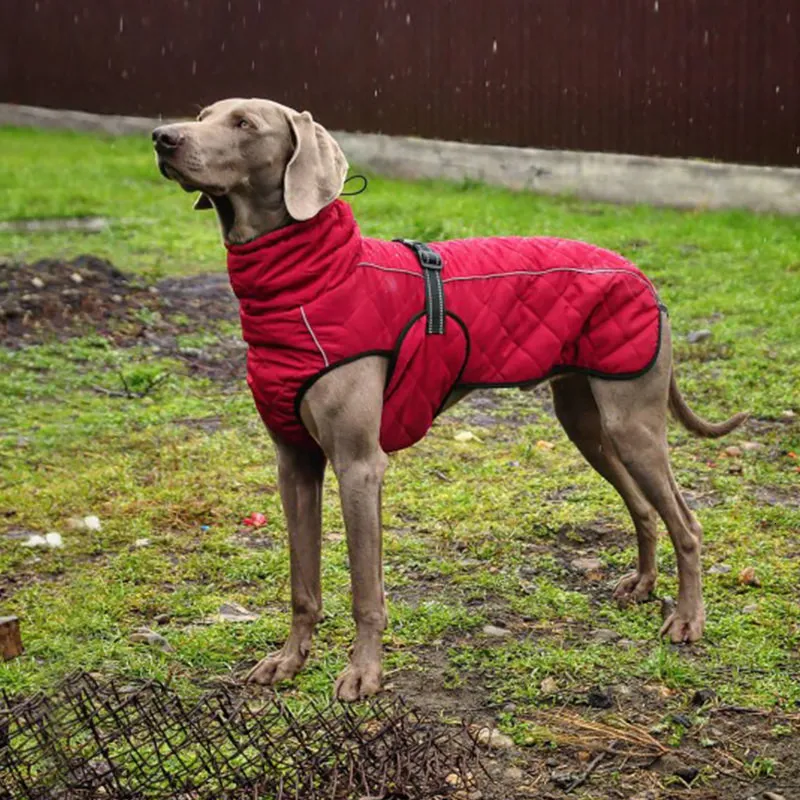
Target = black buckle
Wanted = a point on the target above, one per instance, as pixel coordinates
(429, 259)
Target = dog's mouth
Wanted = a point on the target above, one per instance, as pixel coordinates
(171, 173)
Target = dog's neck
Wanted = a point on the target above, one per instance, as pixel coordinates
(245, 217)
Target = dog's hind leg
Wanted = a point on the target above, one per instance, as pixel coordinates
(633, 415)
(577, 412)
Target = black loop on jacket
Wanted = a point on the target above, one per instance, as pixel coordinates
(431, 263)
(364, 184)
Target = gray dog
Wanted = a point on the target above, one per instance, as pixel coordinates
(269, 170)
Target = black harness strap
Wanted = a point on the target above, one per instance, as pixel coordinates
(431, 263)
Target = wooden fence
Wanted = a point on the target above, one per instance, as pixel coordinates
(704, 78)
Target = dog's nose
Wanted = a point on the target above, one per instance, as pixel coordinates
(166, 140)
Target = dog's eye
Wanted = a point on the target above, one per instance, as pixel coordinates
(243, 123)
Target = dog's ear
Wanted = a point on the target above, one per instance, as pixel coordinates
(315, 173)
(203, 202)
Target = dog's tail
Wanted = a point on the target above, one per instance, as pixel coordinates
(694, 423)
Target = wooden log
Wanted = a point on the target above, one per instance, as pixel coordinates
(10, 638)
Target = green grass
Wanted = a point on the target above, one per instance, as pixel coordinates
(475, 533)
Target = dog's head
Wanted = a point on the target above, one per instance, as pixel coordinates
(258, 163)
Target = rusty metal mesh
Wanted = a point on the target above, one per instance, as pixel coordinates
(93, 739)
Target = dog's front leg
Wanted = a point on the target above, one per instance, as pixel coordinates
(300, 476)
(342, 410)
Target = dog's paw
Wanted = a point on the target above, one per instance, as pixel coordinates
(358, 682)
(634, 588)
(281, 666)
(680, 627)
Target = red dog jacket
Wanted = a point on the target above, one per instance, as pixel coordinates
(493, 312)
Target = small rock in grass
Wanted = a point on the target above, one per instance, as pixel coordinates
(687, 774)
(750, 609)
(748, 577)
(76, 277)
(733, 451)
(491, 737)
(493, 630)
(233, 612)
(788, 414)
(693, 337)
(37, 282)
(587, 564)
(667, 607)
(773, 796)
(141, 543)
(162, 619)
(719, 569)
(600, 698)
(510, 708)
(682, 719)
(52, 540)
(626, 644)
(151, 638)
(543, 445)
(549, 686)
(90, 523)
(466, 436)
(116, 298)
(751, 446)
(703, 697)
(514, 774)
(605, 636)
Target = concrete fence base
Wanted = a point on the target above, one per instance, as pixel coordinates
(679, 183)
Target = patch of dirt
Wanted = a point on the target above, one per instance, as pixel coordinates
(651, 744)
(60, 299)
(68, 298)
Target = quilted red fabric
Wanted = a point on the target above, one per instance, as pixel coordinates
(316, 294)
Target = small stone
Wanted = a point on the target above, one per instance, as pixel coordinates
(162, 619)
(510, 708)
(626, 644)
(587, 564)
(52, 540)
(233, 612)
(600, 698)
(787, 414)
(76, 277)
(543, 445)
(37, 282)
(751, 446)
(491, 737)
(703, 697)
(514, 774)
(687, 774)
(748, 577)
(151, 638)
(719, 569)
(466, 436)
(773, 796)
(548, 686)
(116, 298)
(493, 630)
(750, 609)
(667, 607)
(141, 543)
(733, 451)
(682, 719)
(605, 636)
(694, 337)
